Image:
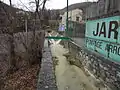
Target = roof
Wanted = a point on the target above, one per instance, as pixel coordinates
(76, 6)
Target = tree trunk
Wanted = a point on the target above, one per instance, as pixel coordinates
(12, 61)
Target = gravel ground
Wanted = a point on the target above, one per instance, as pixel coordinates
(47, 79)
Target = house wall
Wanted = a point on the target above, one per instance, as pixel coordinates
(72, 16)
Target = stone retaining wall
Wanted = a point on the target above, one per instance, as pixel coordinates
(102, 68)
(21, 41)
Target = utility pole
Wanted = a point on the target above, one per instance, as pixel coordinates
(10, 3)
(67, 18)
(26, 29)
(86, 12)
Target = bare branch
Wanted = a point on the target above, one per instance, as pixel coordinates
(10, 1)
(44, 2)
(24, 5)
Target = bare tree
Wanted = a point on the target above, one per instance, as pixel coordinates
(12, 61)
(36, 51)
(44, 2)
(33, 51)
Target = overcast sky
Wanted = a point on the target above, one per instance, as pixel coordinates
(51, 4)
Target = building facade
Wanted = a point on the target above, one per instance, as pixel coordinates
(73, 15)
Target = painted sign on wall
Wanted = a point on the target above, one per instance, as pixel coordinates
(61, 28)
(103, 36)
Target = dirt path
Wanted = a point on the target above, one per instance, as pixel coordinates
(69, 77)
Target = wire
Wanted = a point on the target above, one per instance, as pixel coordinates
(27, 7)
(24, 5)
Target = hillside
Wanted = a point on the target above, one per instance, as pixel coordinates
(6, 7)
(77, 5)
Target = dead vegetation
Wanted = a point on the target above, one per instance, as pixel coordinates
(21, 60)
(55, 61)
(23, 79)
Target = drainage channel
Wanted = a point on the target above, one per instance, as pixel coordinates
(99, 68)
(70, 76)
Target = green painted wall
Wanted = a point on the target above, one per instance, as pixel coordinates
(103, 36)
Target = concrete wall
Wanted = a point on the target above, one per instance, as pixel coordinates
(104, 43)
(112, 6)
(76, 29)
(103, 8)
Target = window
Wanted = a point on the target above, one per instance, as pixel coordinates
(69, 18)
(77, 18)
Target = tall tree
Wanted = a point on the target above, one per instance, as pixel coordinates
(12, 61)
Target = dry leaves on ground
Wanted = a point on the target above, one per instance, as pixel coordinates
(23, 79)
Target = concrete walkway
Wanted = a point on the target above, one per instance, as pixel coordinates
(47, 79)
